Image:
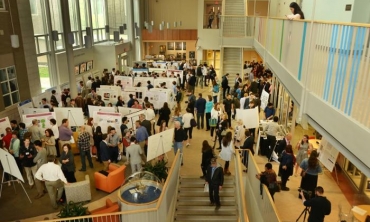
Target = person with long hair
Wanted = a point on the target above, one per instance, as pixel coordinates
(303, 147)
(215, 90)
(89, 127)
(186, 118)
(227, 150)
(164, 114)
(207, 155)
(296, 12)
(268, 178)
(98, 137)
(216, 113)
(49, 142)
(310, 170)
(163, 126)
(68, 163)
(286, 166)
(209, 107)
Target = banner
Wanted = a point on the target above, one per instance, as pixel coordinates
(4, 123)
(42, 118)
(105, 119)
(264, 99)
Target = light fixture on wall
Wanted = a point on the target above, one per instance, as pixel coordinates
(174, 24)
(71, 38)
(150, 28)
(54, 35)
(106, 29)
(121, 30)
(14, 39)
(87, 40)
(168, 25)
(161, 26)
(124, 26)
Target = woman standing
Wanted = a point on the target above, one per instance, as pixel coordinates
(286, 166)
(296, 12)
(186, 118)
(98, 137)
(55, 130)
(120, 102)
(239, 134)
(89, 128)
(49, 142)
(226, 151)
(209, 106)
(303, 147)
(222, 127)
(215, 114)
(310, 171)
(215, 91)
(68, 163)
(164, 114)
(207, 155)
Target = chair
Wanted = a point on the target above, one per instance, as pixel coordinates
(79, 191)
(345, 217)
(114, 180)
(109, 207)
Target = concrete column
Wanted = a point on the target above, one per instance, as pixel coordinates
(138, 18)
(131, 32)
(69, 48)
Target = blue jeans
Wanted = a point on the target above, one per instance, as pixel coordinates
(177, 146)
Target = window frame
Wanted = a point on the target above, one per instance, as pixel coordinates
(7, 81)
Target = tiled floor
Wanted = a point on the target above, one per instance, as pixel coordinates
(288, 205)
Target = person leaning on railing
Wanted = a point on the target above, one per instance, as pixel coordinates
(296, 12)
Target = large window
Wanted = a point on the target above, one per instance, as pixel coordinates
(98, 20)
(9, 86)
(44, 73)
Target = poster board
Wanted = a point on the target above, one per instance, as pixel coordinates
(86, 76)
(138, 92)
(58, 94)
(168, 81)
(161, 65)
(328, 154)
(64, 86)
(159, 96)
(43, 120)
(75, 116)
(250, 117)
(126, 111)
(24, 105)
(9, 165)
(138, 72)
(158, 70)
(4, 123)
(109, 94)
(264, 99)
(126, 81)
(34, 110)
(105, 119)
(36, 100)
(93, 109)
(175, 72)
(143, 81)
(132, 119)
(160, 143)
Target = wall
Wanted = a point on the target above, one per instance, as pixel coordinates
(104, 56)
(250, 55)
(171, 11)
(153, 48)
(361, 11)
(329, 10)
(261, 8)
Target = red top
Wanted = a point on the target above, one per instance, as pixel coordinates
(6, 139)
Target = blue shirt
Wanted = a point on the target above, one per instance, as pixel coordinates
(269, 112)
(130, 103)
(141, 134)
(200, 105)
(209, 106)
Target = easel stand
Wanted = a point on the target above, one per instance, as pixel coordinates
(12, 180)
(305, 212)
(69, 112)
(273, 150)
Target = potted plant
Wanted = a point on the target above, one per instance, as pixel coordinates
(73, 210)
(159, 169)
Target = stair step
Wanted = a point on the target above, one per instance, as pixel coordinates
(201, 186)
(205, 208)
(213, 218)
(204, 194)
(204, 201)
(202, 181)
(211, 211)
(197, 189)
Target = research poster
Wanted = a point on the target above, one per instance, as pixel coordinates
(168, 81)
(264, 99)
(160, 143)
(105, 119)
(328, 154)
(143, 81)
(42, 118)
(24, 105)
(157, 98)
(109, 94)
(4, 123)
(138, 92)
(175, 72)
(126, 81)
(250, 117)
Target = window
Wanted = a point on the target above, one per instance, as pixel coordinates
(9, 86)
(2, 5)
(33, 4)
(44, 73)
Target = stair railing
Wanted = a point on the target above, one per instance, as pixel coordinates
(240, 191)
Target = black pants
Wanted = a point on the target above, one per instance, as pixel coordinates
(271, 141)
(57, 147)
(204, 169)
(224, 91)
(200, 120)
(227, 163)
(83, 160)
(214, 196)
(114, 154)
(212, 130)
(208, 117)
(190, 130)
(284, 177)
(70, 176)
(229, 117)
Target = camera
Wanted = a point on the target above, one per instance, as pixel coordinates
(307, 194)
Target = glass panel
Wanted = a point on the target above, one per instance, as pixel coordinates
(59, 44)
(5, 88)
(15, 97)
(11, 73)
(212, 15)
(56, 15)
(353, 173)
(7, 100)
(38, 19)
(98, 13)
(43, 41)
(3, 76)
(13, 85)
(43, 64)
(73, 15)
(33, 5)
(96, 35)
(84, 13)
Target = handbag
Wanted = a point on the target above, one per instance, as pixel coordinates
(206, 187)
(303, 173)
(193, 123)
(212, 122)
(275, 186)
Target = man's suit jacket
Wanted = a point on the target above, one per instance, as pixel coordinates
(248, 144)
(218, 176)
(148, 126)
(281, 146)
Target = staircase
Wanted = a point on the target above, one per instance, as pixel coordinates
(193, 203)
(234, 7)
(234, 26)
(232, 64)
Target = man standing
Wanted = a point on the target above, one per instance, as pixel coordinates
(200, 106)
(53, 98)
(320, 206)
(238, 81)
(40, 159)
(131, 101)
(35, 131)
(104, 152)
(54, 179)
(269, 111)
(133, 155)
(146, 124)
(113, 142)
(244, 102)
(179, 138)
(271, 130)
(65, 133)
(199, 76)
(283, 143)
(229, 106)
(225, 85)
(141, 137)
(89, 82)
(191, 82)
(26, 155)
(215, 180)
(84, 146)
(123, 126)
(14, 125)
(247, 145)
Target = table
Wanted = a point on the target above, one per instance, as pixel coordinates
(315, 143)
(362, 218)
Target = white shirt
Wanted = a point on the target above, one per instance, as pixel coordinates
(133, 153)
(88, 84)
(50, 172)
(149, 114)
(186, 119)
(215, 114)
(55, 130)
(204, 71)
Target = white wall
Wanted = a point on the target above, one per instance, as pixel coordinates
(361, 12)
(329, 10)
(105, 56)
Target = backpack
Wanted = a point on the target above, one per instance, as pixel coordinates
(216, 89)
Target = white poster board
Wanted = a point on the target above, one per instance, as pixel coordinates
(175, 72)
(42, 118)
(4, 123)
(158, 70)
(58, 94)
(132, 119)
(126, 111)
(34, 110)
(37, 99)
(9, 165)
(86, 76)
(125, 81)
(105, 119)
(109, 94)
(138, 92)
(250, 117)
(160, 143)
(64, 86)
(168, 81)
(75, 116)
(93, 109)
(160, 65)
(143, 81)
(159, 96)
(264, 99)
(328, 154)
(24, 105)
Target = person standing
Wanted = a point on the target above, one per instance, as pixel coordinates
(191, 82)
(113, 142)
(68, 163)
(54, 179)
(247, 145)
(188, 128)
(40, 159)
(200, 106)
(216, 113)
(211, 17)
(146, 123)
(228, 107)
(209, 107)
(215, 91)
(141, 138)
(35, 131)
(84, 146)
(227, 150)
(225, 85)
(207, 155)
(303, 147)
(215, 181)
(26, 154)
(164, 114)
(98, 137)
(296, 12)
(133, 155)
(286, 166)
(65, 133)
(310, 171)
(49, 142)
(14, 149)
(283, 143)
(104, 152)
(269, 111)
(268, 178)
(178, 140)
(271, 130)
(55, 130)
(320, 206)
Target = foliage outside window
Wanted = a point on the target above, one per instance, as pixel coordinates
(9, 86)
